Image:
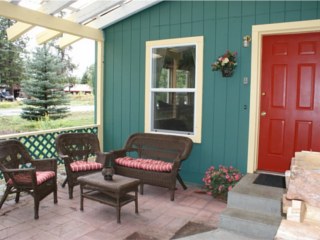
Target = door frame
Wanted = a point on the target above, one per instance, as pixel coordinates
(258, 31)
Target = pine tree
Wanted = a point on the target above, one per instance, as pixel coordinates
(44, 88)
(11, 59)
(87, 77)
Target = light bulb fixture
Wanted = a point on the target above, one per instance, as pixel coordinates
(246, 40)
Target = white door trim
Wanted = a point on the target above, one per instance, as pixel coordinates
(258, 31)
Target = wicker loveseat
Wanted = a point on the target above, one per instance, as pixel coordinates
(155, 159)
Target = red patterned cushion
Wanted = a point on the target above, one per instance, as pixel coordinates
(146, 164)
(41, 176)
(79, 166)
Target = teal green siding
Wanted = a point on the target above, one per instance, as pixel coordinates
(225, 101)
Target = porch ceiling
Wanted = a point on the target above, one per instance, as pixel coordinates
(70, 20)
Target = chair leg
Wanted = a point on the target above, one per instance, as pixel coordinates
(5, 195)
(17, 197)
(141, 188)
(55, 196)
(70, 191)
(172, 194)
(65, 182)
(36, 208)
(181, 182)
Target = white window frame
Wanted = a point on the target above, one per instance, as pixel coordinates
(198, 43)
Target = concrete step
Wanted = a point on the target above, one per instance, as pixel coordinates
(256, 198)
(218, 234)
(253, 225)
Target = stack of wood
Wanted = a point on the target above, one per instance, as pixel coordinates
(301, 203)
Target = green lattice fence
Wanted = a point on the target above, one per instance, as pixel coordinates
(43, 145)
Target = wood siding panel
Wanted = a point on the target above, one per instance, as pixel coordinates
(209, 10)
(175, 19)
(145, 36)
(309, 11)
(244, 90)
(225, 100)
(220, 94)
(117, 98)
(208, 97)
(232, 106)
(108, 91)
(135, 75)
(126, 80)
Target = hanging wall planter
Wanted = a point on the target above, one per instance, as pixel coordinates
(227, 72)
(226, 64)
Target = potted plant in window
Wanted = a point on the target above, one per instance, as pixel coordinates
(225, 63)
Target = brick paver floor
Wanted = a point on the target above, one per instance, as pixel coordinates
(158, 217)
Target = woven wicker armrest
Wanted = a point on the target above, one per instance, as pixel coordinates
(120, 153)
(18, 170)
(176, 164)
(66, 159)
(47, 164)
(110, 157)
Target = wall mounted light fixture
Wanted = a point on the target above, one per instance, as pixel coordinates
(246, 40)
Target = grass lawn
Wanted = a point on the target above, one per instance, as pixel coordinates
(15, 124)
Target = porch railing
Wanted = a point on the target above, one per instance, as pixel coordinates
(41, 144)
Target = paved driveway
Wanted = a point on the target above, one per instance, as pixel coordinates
(17, 111)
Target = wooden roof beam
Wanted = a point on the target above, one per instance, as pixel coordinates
(49, 7)
(126, 9)
(17, 30)
(67, 40)
(81, 16)
(32, 17)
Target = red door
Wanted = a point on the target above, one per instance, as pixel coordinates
(290, 99)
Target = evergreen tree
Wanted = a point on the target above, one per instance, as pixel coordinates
(66, 60)
(44, 87)
(11, 59)
(87, 77)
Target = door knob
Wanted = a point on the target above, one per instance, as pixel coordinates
(263, 113)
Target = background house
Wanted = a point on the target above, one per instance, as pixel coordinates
(225, 120)
(78, 88)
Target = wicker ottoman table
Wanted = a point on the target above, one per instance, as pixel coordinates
(114, 192)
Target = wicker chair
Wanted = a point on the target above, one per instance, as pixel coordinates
(76, 149)
(24, 174)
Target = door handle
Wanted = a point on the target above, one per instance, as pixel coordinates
(263, 114)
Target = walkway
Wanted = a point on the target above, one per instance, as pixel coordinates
(17, 111)
(158, 218)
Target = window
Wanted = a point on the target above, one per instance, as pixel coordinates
(173, 103)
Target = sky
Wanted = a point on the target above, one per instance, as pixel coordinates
(83, 55)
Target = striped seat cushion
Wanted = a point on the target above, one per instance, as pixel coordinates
(79, 166)
(24, 178)
(146, 164)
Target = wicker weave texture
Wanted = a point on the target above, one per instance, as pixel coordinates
(15, 162)
(73, 147)
(163, 147)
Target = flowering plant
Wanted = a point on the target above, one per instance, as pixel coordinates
(220, 181)
(226, 62)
